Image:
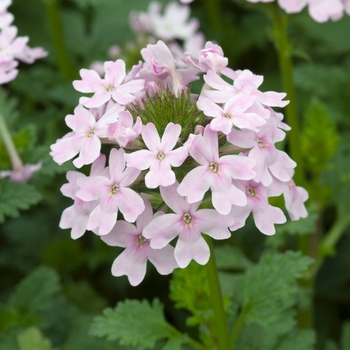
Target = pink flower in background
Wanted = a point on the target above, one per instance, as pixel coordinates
(174, 23)
(160, 157)
(112, 86)
(6, 18)
(132, 262)
(187, 223)
(13, 48)
(319, 10)
(22, 174)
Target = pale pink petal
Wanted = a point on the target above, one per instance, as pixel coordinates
(130, 204)
(213, 224)
(195, 184)
(163, 259)
(120, 234)
(170, 136)
(132, 264)
(162, 230)
(150, 137)
(197, 250)
(266, 216)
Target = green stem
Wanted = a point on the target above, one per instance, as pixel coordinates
(237, 328)
(216, 300)
(284, 50)
(328, 243)
(214, 14)
(16, 161)
(63, 61)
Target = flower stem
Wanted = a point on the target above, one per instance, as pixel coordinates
(63, 61)
(284, 50)
(214, 13)
(216, 300)
(328, 243)
(16, 161)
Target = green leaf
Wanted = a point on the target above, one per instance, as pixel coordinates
(345, 338)
(298, 339)
(189, 290)
(32, 339)
(319, 139)
(35, 292)
(270, 287)
(136, 323)
(15, 197)
(230, 258)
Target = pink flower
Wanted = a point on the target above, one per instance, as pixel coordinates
(85, 138)
(76, 216)
(160, 157)
(6, 18)
(132, 262)
(7, 70)
(124, 130)
(265, 215)
(319, 10)
(113, 86)
(113, 193)
(187, 223)
(160, 63)
(216, 173)
(210, 58)
(245, 82)
(261, 148)
(23, 174)
(235, 112)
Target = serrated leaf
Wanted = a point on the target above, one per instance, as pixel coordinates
(15, 197)
(135, 323)
(35, 292)
(33, 339)
(319, 139)
(231, 258)
(298, 339)
(271, 286)
(189, 290)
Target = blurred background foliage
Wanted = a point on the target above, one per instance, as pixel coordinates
(51, 287)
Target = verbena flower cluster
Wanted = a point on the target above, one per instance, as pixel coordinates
(180, 165)
(319, 10)
(13, 48)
